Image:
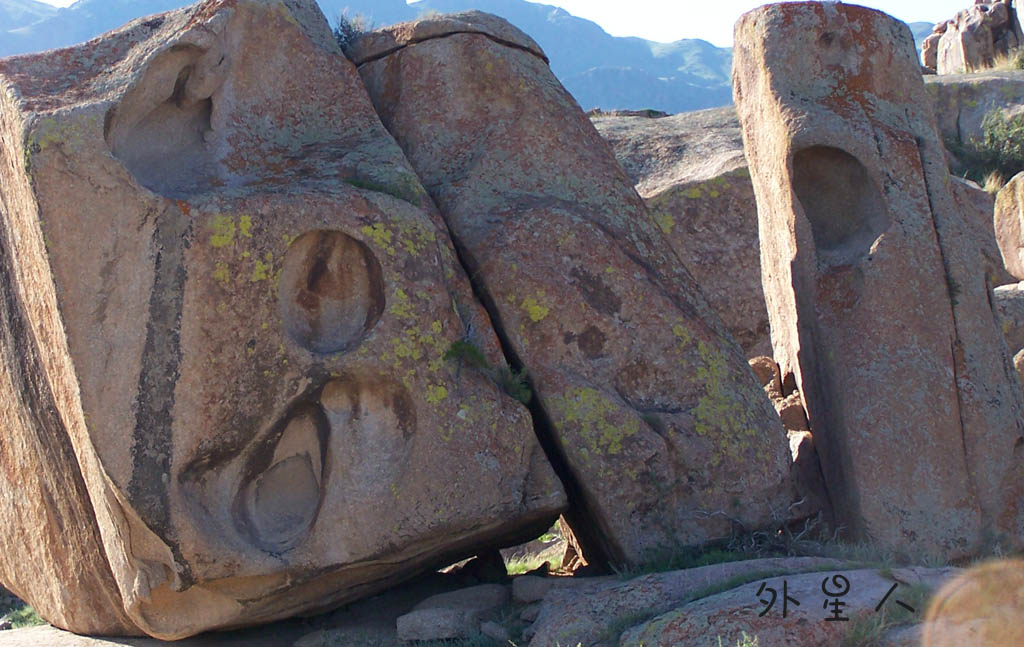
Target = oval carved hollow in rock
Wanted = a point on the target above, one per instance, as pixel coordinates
(280, 500)
(840, 200)
(331, 291)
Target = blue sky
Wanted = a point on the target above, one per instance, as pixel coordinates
(712, 20)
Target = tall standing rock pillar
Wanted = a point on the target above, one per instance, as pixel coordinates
(878, 302)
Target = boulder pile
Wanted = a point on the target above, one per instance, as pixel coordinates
(282, 328)
(245, 372)
(973, 39)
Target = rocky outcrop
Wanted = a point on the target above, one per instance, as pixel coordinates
(871, 278)
(638, 386)
(227, 302)
(962, 101)
(690, 170)
(976, 36)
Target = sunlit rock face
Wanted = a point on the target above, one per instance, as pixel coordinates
(226, 302)
(876, 289)
(665, 434)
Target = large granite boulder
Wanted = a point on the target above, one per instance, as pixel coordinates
(1009, 225)
(977, 206)
(666, 437)
(876, 293)
(226, 304)
(690, 170)
(977, 35)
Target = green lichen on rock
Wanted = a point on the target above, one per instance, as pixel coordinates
(536, 310)
(665, 222)
(720, 414)
(223, 228)
(381, 236)
(593, 416)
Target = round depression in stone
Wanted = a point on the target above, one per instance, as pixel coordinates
(331, 291)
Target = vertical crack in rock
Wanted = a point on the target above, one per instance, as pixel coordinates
(154, 418)
(580, 516)
(955, 347)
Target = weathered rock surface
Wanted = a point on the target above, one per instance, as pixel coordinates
(729, 615)
(975, 36)
(227, 298)
(457, 614)
(690, 170)
(1009, 225)
(977, 207)
(637, 382)
(1009, 304)
(587, 615)
(872, 279)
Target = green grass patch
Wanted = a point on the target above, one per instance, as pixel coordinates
(512, 382)
(25, 616)
(520, 566)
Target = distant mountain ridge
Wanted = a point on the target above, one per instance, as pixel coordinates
(600, 70)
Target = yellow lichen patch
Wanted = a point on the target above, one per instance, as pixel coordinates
(414, 236)
(665, 221)
(720, 414)
(436, 394)
(594, 416)
(437, 327)
(68, 131)
(223, 228)
(288, 239)
(245, 226)
(221, 272)
(534, 308)
(401, 306)
(260, 271)
(381, 236)
(683, 334)
(693, 193)
(406, 348)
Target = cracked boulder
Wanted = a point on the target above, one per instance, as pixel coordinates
(225, 303)
(665, 438)
(876, 292)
